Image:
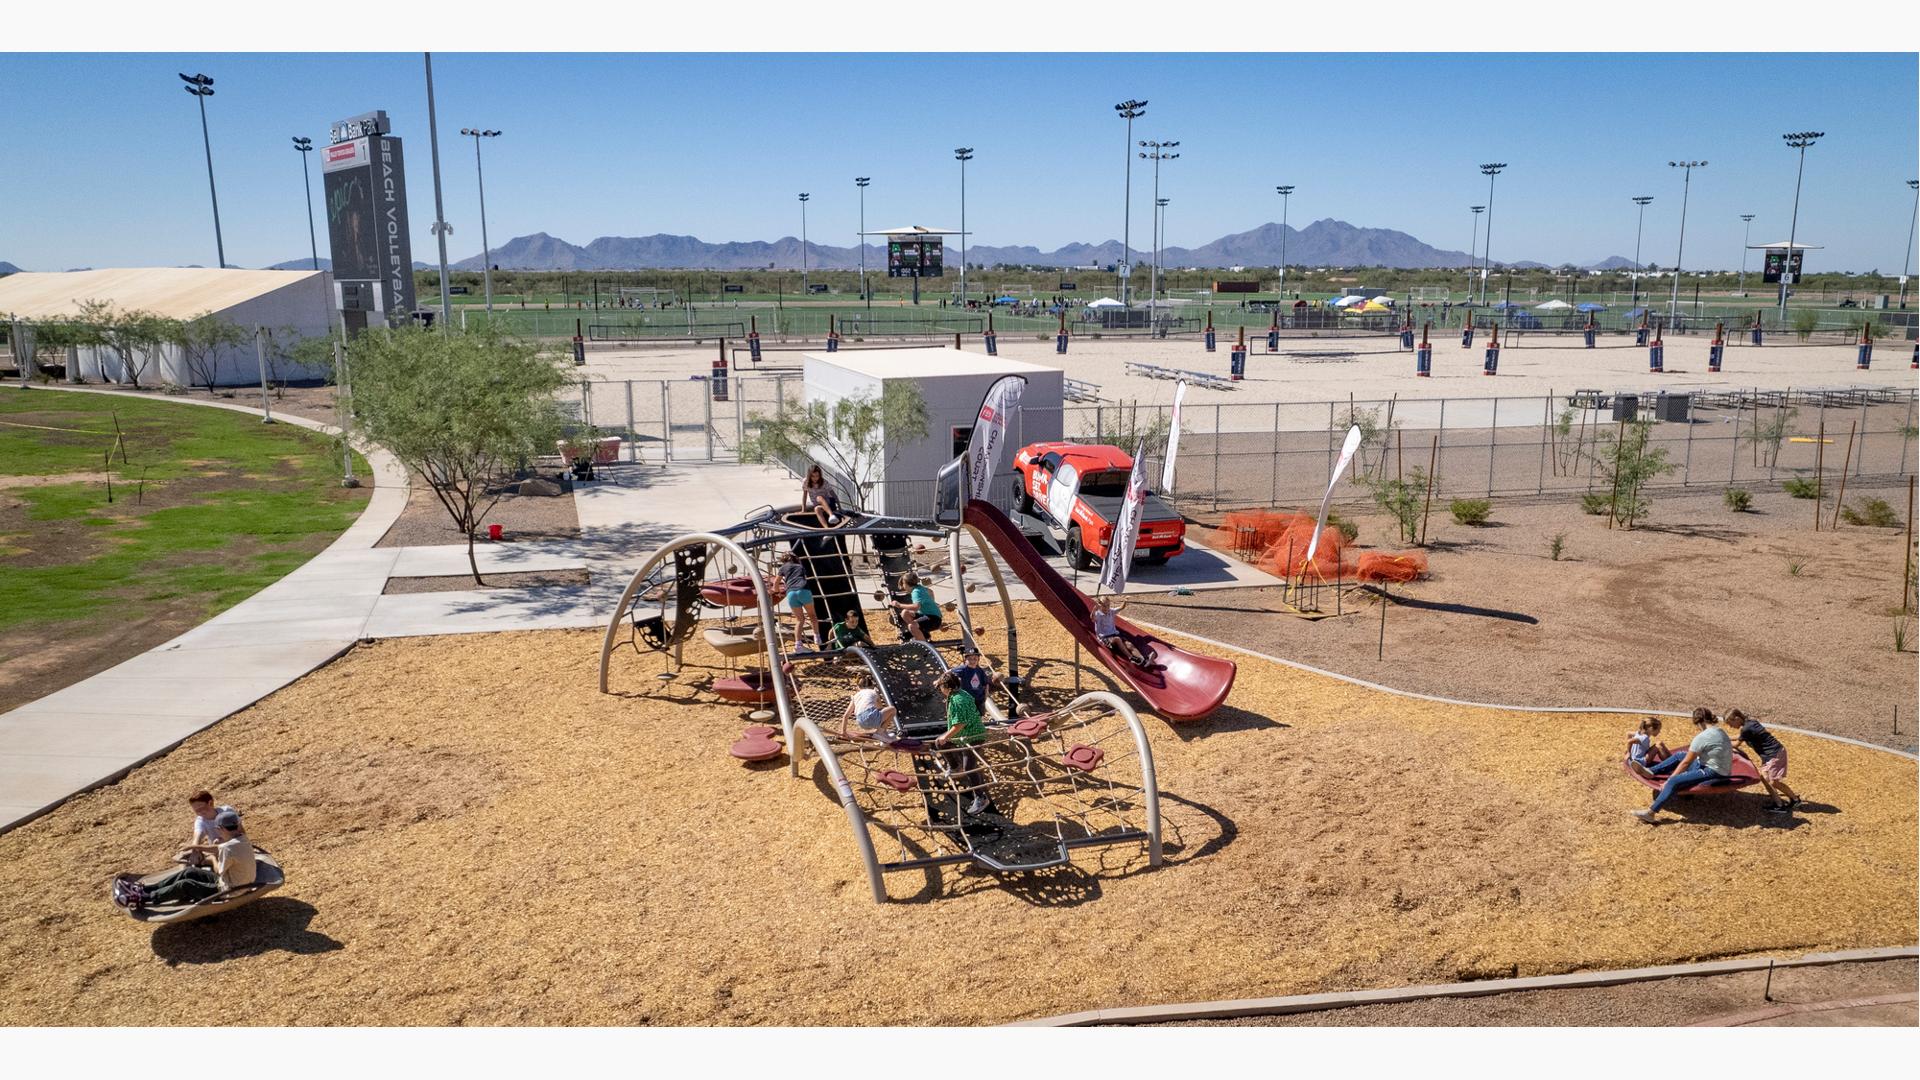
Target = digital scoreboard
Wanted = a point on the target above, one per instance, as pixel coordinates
(1777, 261)
(914, 258)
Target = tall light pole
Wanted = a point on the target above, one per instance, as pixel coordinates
(963, 154)
(804, 290)
(305, 146)
(861, 182)
(201, 86)
(1285, 191)
(486, 249)
(1746, 239)
(440, 226)
(1640, 201)
(1157, 152)
(1796, 140)
(1911, 225)
(1473, 249)
(1686, 187)
(1491, 170)
(1129, 110)
(1160, 233)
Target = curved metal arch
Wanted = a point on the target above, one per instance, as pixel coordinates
(769, 622)
(858, 820)
(999, 584)
(1147, 778)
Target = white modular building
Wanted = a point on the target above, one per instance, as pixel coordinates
(287, 304)
(953, 382)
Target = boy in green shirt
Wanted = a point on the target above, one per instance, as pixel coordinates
(965, 727)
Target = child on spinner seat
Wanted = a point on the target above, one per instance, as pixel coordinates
(1643, 753)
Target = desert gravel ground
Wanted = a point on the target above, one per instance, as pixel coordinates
(474, 835)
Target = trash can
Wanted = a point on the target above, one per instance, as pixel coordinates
(1626, 407)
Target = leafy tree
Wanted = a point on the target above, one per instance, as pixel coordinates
(1767, 437)
(461, 409)
(856, 435)
(1401, 500)
(201, 340)
(1627, 460)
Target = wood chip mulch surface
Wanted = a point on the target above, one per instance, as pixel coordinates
(474, 835)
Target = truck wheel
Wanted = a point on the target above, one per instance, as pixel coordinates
(1076, 553)
(1026, 504)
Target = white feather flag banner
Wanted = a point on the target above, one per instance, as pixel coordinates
(990, 432)
(1173, 438)
(1126, 532)
(1347, 450)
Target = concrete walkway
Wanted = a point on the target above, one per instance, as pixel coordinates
(96, 730)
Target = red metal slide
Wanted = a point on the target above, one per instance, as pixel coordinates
(1178, 684)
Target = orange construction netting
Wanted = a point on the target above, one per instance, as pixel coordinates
(1276, 541)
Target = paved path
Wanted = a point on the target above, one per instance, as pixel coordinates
(94, 731)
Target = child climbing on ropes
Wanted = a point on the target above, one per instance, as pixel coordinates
(965, 727)
(869, 711)
(1773, 759)
(1643, 753)
(1108, 632)
(921, 610)
(851, 630)
(799, 600)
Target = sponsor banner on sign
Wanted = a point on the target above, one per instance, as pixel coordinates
(1173, 437)
(1061, 491)
(990, 432)
(1126, 532)
(347, 155)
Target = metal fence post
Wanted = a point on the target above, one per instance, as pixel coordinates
(1493, 439)
(1686, 464)
(1861, 456)
(1733, 450)
(1274, 473)
(706, 399)
(1439, 439)
(1216, 457)
(1330, 422)
(1546, 426)
(633, 437)
(1913, 399)
(666, 425)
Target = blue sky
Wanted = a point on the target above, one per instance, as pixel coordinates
(717, 146)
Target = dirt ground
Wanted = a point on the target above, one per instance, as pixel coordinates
(474, 835)
(521, 517)
(1700, 607)
(527, 579)
(1665, 1002)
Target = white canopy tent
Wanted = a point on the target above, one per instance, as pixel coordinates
(1106, 302)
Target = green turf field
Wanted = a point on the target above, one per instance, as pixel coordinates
(207, 506)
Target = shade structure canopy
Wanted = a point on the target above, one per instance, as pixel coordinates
(1106, 302)
(1552, 305)
(1591, 306)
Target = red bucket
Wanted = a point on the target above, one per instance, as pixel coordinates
(493, 532)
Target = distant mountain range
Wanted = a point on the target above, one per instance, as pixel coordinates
(1324, 243)
(8, 268)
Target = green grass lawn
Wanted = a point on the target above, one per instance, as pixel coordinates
(208, 507)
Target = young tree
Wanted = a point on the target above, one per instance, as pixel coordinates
(1627, 461)
(201, 340)
(461, 409)
(857, 435)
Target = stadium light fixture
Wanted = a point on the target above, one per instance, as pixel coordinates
(1686, 167)
(1490, 170)
(1911, 225)
(1157, 152)
(1745, 240)
(201, 87)
(1128, 110)
(1285, 191)
(1641, 201)
(963, 154)
(861, 182)
(804, 290)
(1795, 140)
(1473, 249)
(305, 146)
(486, 250)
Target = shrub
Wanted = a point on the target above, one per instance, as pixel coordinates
(1471, 511)
(1348, 530)
(1401, 499)
(1900, 635)
(1800, 487)
(1594, 503)
(1805, 322)
(1557, 546)
(1738, 499)
(1872, 512)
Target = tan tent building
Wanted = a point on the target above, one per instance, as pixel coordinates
(288, 304)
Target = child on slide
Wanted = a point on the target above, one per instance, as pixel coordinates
(1107, 632)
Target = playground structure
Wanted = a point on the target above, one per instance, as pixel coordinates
(1060, 777)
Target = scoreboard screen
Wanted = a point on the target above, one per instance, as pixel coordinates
(914, 258)
(1777, 261)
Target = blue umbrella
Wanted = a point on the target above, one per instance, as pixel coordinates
(1591, 306)
(1006, 299)
(1504, 304)
(1636, 313)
